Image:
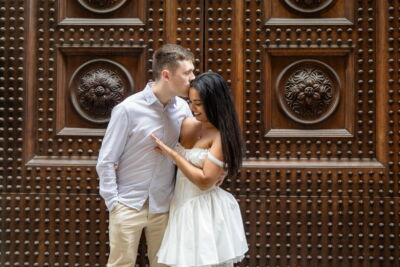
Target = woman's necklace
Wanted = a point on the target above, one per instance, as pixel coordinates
(204, 130)
(200, 133)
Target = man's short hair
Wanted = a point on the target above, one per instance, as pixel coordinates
(167, 57)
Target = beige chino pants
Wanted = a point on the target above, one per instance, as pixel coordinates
(125, 228)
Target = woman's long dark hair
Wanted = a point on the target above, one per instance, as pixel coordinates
(220, 111)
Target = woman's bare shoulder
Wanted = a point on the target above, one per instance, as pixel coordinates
(190, 124)
(188, 130)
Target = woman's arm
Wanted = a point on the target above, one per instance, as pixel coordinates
(202, 178)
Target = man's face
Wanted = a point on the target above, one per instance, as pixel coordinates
(180, 79)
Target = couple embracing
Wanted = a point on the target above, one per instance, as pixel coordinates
(188, 220)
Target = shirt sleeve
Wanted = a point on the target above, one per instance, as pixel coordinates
(112, 147)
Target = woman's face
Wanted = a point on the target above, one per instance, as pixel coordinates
(196, 105)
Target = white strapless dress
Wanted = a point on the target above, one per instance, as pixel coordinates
(205, 228)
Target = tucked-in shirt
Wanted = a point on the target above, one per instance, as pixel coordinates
(130, 169)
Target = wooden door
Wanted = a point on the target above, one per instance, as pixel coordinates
(316, 85)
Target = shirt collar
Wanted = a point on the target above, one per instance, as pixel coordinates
(151, 97)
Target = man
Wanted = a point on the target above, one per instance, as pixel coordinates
(137, 182)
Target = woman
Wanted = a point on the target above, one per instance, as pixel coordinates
(205, 226)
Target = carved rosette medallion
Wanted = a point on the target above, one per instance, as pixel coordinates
(308, 6)
(308, 91)
(97, 86)
(101, 6)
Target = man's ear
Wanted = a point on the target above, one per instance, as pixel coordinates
(165, 74)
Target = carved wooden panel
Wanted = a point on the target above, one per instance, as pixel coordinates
(308, 93)
(95, 80)
(347, 131)
(97, 86)
(103, 12)
(308, 6)
(316, 87)
(104, 6)
(333, 171)
(67, 55)
(309, 12)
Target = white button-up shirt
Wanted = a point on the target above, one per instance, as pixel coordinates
(129, 168)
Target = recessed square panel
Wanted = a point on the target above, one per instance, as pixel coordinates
(86, 12)
(91, 82)
(313, 12)
(309, 94)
